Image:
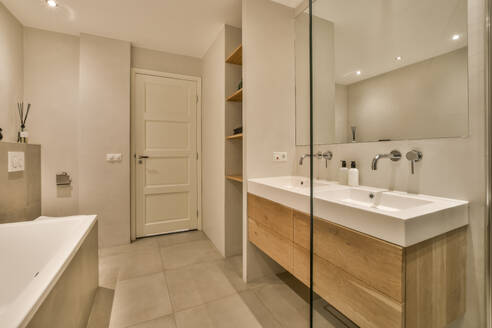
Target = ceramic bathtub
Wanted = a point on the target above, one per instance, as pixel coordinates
(34, 257)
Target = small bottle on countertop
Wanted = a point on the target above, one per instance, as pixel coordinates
(343, 173)
(353, 175)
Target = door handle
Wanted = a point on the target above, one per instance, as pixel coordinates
(142, 156)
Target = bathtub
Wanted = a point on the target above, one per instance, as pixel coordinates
(34, 257)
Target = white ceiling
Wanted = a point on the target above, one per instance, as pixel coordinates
(186, 27)
(369, 35)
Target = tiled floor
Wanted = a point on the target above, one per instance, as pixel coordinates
(181, 281)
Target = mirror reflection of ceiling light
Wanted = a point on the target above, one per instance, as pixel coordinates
(51, 3)
(358, 72)
(456, 37)
(398, 58)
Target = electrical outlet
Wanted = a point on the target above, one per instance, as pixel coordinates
(280, 157)
(113, 158)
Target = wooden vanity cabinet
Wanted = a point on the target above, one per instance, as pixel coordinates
(372, 282)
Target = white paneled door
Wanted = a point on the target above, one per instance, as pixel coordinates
(165, 114)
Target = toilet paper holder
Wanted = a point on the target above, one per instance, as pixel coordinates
(63, 179)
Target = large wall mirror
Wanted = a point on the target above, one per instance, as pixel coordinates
(383, 70)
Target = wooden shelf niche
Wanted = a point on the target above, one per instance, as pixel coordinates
(236, 96)
(235, 136)
(237, 178)
(236, 57)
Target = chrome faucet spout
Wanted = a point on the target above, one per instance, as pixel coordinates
(301, 159)
(326, 155)
(394, 155)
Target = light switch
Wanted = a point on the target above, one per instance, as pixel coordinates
(113, 157)
(16, 161)
(280, 157)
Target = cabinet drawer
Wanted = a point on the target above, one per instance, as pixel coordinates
(378, 263)
(271, 243)
(364, 305)
(272, 215)
(301, 264)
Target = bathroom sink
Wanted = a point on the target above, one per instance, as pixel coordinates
(297, 183)
(376, 199)
(397, 217)
(293, 191)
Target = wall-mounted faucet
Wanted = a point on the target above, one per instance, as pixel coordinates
(394, 155)
(414, 156)
(301, 159)
(327, 155)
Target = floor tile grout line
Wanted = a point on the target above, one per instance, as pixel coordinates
(208, 302)
(143, 247)
(167, 284)
(266, 307)
(145, 321)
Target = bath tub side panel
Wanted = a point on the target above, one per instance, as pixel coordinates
(69, 302)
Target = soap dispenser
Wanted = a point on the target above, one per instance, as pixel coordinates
(353, 175)
(343, 173)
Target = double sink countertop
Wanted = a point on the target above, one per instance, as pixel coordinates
(397, 217)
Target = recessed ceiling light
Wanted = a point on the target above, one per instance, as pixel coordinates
(398, 58)
(456, 37)
(51, 3)
(358, 72)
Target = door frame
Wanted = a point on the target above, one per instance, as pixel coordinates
(198, 80)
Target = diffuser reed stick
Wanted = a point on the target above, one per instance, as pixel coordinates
(22, 135)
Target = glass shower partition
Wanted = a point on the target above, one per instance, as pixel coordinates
(389, 78)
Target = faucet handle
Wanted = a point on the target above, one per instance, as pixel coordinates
(414, 156)
(327, 155)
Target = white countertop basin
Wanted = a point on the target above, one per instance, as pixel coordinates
(397, 217)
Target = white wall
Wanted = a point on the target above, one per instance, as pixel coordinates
(268, 102)
(166, 62)
(51, 84)
(12, 74)
(453, 167)
(213, 146)
(104, 127)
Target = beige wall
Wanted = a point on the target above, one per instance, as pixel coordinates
(51, 81)
(104, 127)
(213, 146)
(165, 62)
(268, 102)
(20, 192)
(453, 167)
(78, 118)
(424, 100)
(12, 73)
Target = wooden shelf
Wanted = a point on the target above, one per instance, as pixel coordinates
(237, 178)
(235, 136)
(236, 57)
(236, 96)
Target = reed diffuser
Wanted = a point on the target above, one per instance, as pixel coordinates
(22, 135)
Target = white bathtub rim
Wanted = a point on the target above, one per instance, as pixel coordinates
(21, 311)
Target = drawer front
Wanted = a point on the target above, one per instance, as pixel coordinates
(378, 263)
(272, 215)
(301, 264)
(364, 305)
(271, 243)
